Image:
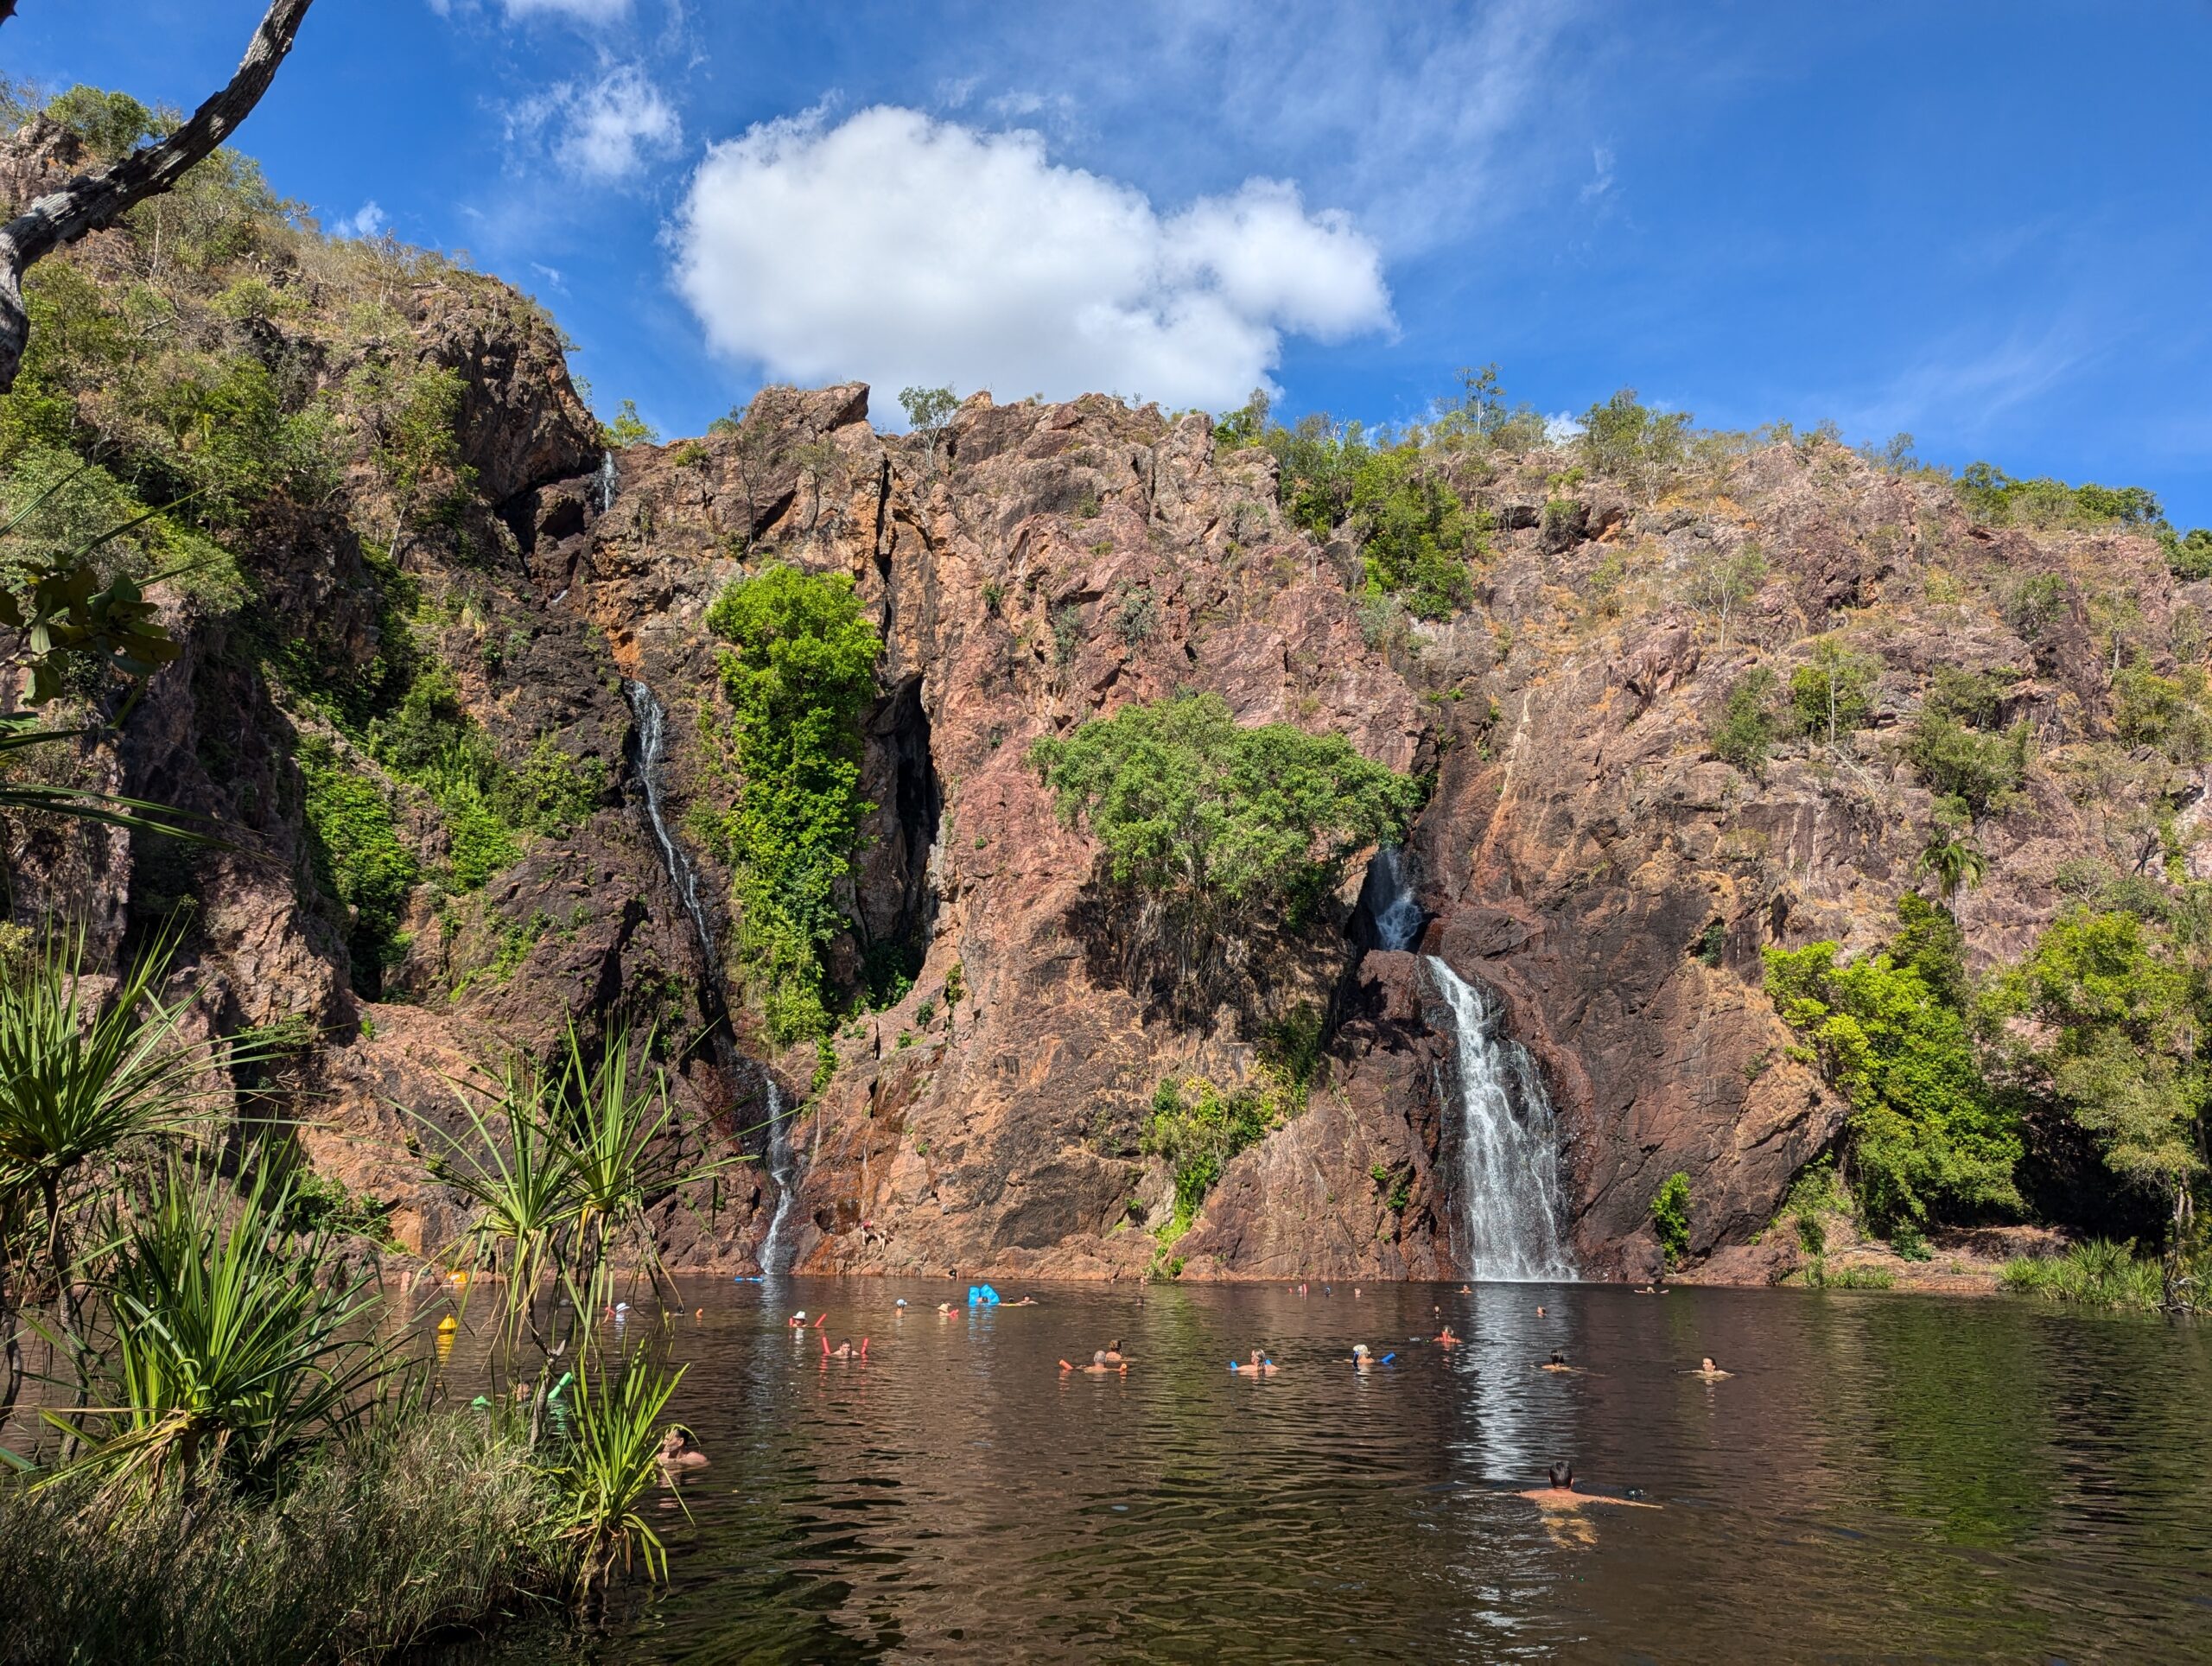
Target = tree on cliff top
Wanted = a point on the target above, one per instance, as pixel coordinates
(1188, 806)
(92, 201)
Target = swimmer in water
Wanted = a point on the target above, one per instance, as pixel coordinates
(844, 1350)
(944, 1310)
(1560, 1493)
(1466, 1289)
(1447, 1339)
(1258, 1365)
(1097, 1367)
(1113, 1353)
(1027, 1301)
(1540, 1312)
(1709, 1371)
(677, 1454)
(1556, 1363)
(798, 1320)
(1360, 1358)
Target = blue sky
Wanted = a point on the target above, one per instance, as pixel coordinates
(1985, 224)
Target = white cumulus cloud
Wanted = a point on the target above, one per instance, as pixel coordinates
(367, 220)
(899, 251)
(604, 129)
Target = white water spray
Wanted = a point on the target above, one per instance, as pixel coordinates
(1509, 1157)
(652, 740)
(783, 1168)
(1396, 913)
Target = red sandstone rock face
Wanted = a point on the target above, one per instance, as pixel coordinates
(1036, 566)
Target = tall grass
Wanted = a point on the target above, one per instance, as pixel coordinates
(2098, 1274)
(427, 1523)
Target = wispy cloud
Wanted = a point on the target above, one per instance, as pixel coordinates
(1601, 173)
(605, 129)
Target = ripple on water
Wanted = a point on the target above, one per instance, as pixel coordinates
(1884, 1475)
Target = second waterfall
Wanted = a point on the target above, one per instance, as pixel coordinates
(1508, 1183)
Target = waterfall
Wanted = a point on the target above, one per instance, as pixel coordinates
(1508, 1163)
(607, 482)
(1391, 902)
(783, 1168)
(653, 739)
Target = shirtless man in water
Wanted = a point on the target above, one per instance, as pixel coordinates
(1560, 1493)
(677, 1454)
(1446, 1340)
(1709, 1371)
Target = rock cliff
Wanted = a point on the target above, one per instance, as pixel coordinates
(1583, 854)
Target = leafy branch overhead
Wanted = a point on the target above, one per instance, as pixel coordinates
(92, 201)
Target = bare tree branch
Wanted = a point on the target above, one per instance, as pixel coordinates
(91, 201)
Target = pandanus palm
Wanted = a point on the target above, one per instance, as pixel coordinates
(236, 1349)
(81, 1073)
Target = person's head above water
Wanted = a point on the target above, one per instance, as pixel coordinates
(1707, 1364)
(1099, 1358)
(1563, 1475)
(1359, 1349)
(1557, 1358)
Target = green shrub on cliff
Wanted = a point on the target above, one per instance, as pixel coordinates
(1419, 537)
(1926, 1133)
(1188, 805)
(1197, 1127)
(1670, 1218)
(2122, 1005)
(354, 845)
(800, 673)
(1744, 729)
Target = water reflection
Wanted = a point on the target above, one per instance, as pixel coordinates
(1882, 1475)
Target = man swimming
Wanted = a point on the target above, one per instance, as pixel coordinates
(1446, 1340)
(1097, 1367)
(1559, 1494)
(1709, 1371)
(677, 1454)
(844, 1350)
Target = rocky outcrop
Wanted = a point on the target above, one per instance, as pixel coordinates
(1583, 853)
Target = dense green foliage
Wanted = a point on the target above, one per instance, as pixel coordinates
(359, 858)
(1927, 1137)
(1670, 1217)
(1834, 694)
(1187, 804)
(2097, 1274)
(1745, 729)
(2124, 1001)
(1417, 536)
(800, 675)
(1198, 1127)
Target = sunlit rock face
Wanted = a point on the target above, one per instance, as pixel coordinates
(1584, 860)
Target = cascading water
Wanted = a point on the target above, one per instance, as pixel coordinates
(1509, 1162)
(605, 484)
(1390, 901)
(652, 720)
(783, 1168)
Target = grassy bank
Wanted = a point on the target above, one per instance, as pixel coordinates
(424, 1523)
(2093, 1274)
